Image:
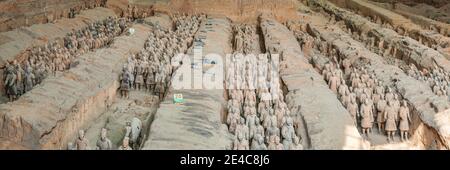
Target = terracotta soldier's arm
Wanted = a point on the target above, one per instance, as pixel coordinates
(247, 122)
(409, 116)
(110, 144)
(14, 80)
(6, 81)
(33, 79)
(360, 111)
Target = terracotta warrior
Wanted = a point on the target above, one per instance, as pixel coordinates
(82, 142)
(125, 83)
(352, 107)
(297, 145)
(125, 144)
(278, 145)
(405, 119)
(252, 122)
(258, 143)
(272, 131)
(242, 128)
(288, 134)
(139, 81)
(367, 117)
(333, 82)
(381, 106)
(390, 116)
(389, 95)
(241, 143)
(104, 143)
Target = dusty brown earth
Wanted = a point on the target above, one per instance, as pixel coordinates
(87, 97)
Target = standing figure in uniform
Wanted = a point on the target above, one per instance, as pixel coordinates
(367, 117)
(390, 116)
(405, 119)
(125, 83)
(82, 142)
(104, 143)
(381, 106)
(10, 83)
